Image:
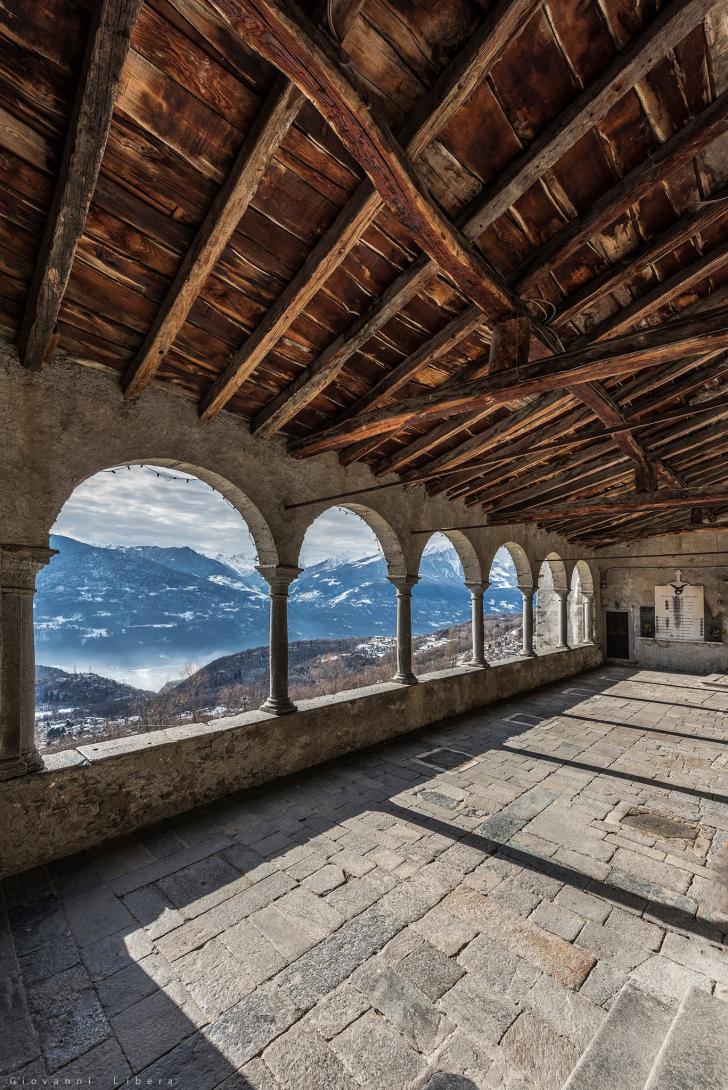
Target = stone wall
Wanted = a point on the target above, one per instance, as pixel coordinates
(628, 579)
(87, 795)
(68, 422)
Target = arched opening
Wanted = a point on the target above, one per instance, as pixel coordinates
(508, 571)
(341, 608)
(551, 594)
(152, 612)
(441, 603)
(580, 605)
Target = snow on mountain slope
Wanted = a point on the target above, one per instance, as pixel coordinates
(148, 608)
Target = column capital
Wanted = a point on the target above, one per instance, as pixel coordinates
(404, 583)
(19, 565)
(279, 576)
(526, 591)
(477, 586)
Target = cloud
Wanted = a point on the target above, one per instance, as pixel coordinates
(136, 507)
(338, 533)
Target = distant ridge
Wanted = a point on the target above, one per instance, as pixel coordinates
(143, 612)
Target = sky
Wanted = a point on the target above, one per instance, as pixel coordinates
(136, 507)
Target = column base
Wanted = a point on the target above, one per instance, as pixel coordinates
(562, 647)
(527, 654)
(478, 665)
(12, 767)
(405, 679)
(278, 707)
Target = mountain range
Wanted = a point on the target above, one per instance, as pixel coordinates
(140, 613)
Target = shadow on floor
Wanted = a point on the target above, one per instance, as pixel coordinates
(89, 980)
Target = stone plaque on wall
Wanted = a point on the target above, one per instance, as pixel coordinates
(679, 611)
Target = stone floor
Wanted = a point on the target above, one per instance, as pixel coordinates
(452, 911)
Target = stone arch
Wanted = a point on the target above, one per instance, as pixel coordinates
(554, 565)
(582, 573)
(551, 585)
(463, 546)
(382, 530)
(524, 574)
(582, 586)
(259, 529)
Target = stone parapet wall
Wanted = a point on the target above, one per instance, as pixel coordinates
(87, 795)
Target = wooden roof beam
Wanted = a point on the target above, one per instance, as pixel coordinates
(666, 31)
(472, 446)
(469, 67)
(683, 145)
(552, 404)
(509, 346)
(525, 453)
(290, 42)
(595, 397)
(621, 355)
(653, 250)
(658, 502)
(275, 117)
(88, 130)
(599, 465)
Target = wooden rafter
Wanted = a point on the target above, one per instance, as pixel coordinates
(660, 501)
(688, 226)
(88, 130)
(703, 129)
(277, 114)
(574, 122)
(292, 43)
(451, 90)
(634, 185)
(622, 355)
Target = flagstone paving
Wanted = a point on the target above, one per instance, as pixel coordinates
(379, 924)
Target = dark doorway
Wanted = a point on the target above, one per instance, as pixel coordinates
(618, 634)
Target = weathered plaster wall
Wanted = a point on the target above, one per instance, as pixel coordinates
(628, 581)
(87, 795)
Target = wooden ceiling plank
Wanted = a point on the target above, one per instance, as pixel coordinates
(274, 119)
(608, 359)
(682, 146)
(524, 452)
(107, 48)
(653, 250)
(291, 43)
(629, 66)
(659, 501)
(509, 346)
(595, 397)
(663, 293)
(667, 30)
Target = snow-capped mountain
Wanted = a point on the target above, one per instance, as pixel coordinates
(141, 613)
(242, 563)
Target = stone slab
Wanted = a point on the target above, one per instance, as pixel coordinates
(622, 1053)
(546, 951)
(694, 1055)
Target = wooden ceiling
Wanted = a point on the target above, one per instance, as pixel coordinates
(483, 245)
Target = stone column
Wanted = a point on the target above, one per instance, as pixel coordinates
(279, 578)
(527, 595)
(404, 586)
(19, 565)
(588, 618)
(477, 590)
(563, 600)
